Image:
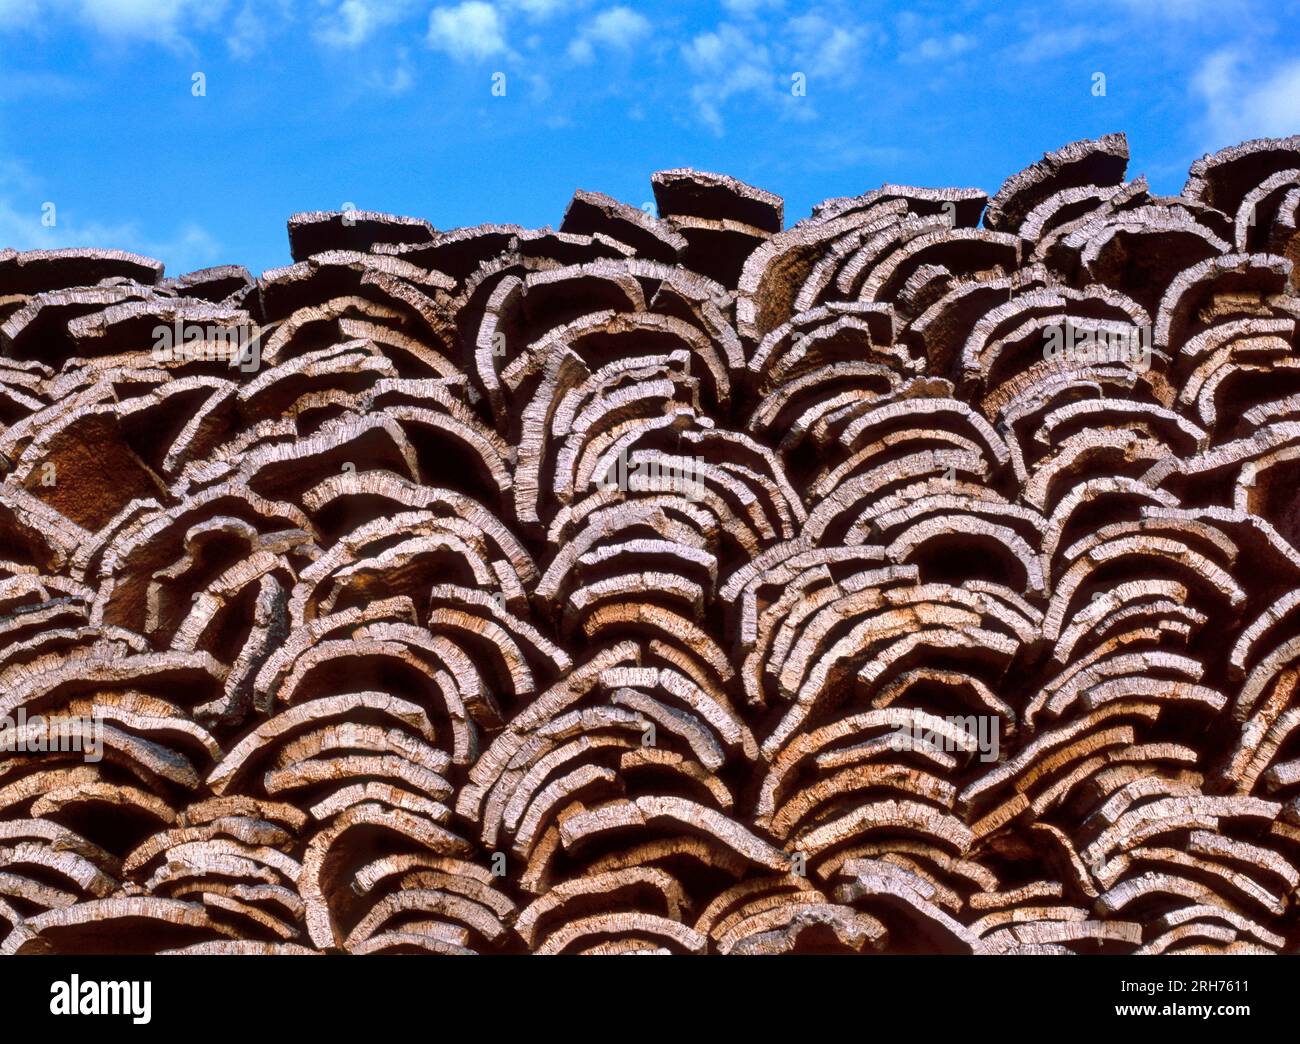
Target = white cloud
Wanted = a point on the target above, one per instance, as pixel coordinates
(247, 33)
(538, 8)
(158, 20)
(1177, 9)
(15, 14)
(1051, 44)
(191, 247)
(841, 151)
(1239, 105)
(618, 27)
(256, 22)
(472, 30)
(748, 8)
(23, 194)
(940, 48)
(824, 49)
(16, 84)
(539, 87)
(708, 53)
(353, 22)
(245, 24)
(727, 63)
(398, 78)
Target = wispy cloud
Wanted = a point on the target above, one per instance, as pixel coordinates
(1185, 10)
(727, 62)
(633, 82)
(24, 216)
(940, 48)
(166, 22)
(248, 33)
(618, 28)
(15, 84)
(470, 31)
(1241, 102)
(1045, 45)
(749, 8)
(764, 58)
(161, 21)
(353, 22)
(541, 8)
(832, 152)
(191, 246)
(18, 14)
(825, 49)
(398, 78)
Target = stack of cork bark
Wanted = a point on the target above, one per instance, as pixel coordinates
(921, 577)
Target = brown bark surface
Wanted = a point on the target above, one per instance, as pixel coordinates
(920, 577)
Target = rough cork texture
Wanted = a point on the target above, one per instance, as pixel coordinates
(671, 582)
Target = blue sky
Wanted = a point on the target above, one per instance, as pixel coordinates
(388, 104)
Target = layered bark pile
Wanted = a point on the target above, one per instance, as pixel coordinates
(639, 585)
